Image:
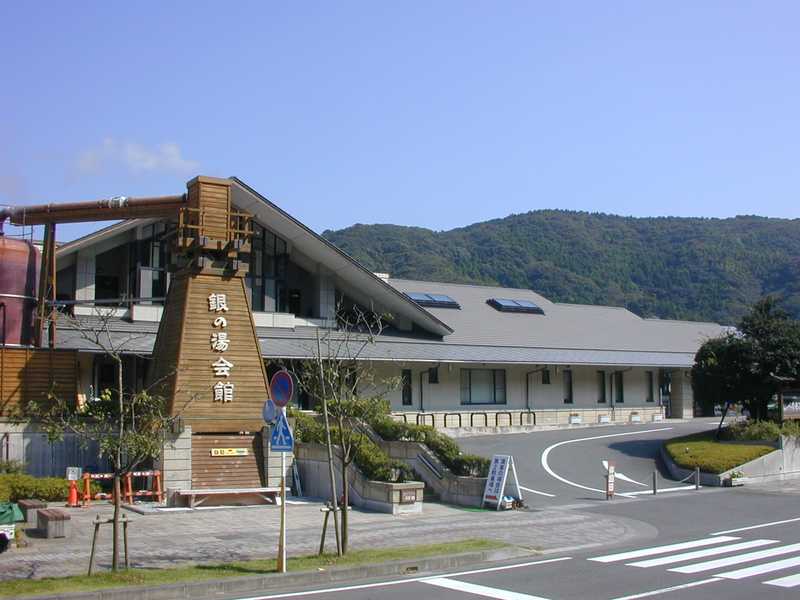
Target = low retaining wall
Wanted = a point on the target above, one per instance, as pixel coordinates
(783, 463)
(379, 496)
(453, 489)
(475, 419)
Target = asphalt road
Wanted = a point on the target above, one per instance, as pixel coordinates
(713, 543)
(565, 467)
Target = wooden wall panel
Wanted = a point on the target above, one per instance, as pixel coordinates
(28, 374)
(184, 339)
(227, 471)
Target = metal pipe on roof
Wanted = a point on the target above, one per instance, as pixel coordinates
(106, 209)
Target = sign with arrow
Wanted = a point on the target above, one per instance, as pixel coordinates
(281, 439)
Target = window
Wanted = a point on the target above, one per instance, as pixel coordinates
(649, 382)
(601, 387)
(266, 275)
(433, 375)
(517, 306)
(433, 300)
(619, 387)
(483, 386)
(406, 377)
(567, 383)
(546, 377)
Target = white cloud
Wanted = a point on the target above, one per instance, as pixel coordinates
(134, 157)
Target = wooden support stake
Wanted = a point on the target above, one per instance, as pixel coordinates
(125, 539)
(324, 530)
(94, 543)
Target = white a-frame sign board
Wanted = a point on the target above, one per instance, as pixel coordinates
(496, 480)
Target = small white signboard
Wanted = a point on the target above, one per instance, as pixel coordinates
(74, 473)
(496, 480)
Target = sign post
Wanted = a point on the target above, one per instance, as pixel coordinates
(610, 481)
(281, 388)
(496, 480)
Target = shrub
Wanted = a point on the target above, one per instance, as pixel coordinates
(368, 457)
(760, 430)
(11, 466)
(376, 465)
(702, 450)
(14, 487)
(443, 446)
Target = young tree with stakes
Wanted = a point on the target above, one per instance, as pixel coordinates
(129, 426)
(350, 393)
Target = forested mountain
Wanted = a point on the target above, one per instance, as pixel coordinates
(668, 267)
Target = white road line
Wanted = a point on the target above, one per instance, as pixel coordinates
(365, 586)
(662, 549)
(770, 524)
(684, 556)
(480, 590)
(622, 476)
(661, 491)
(522, 487)
(669, 589)
(761, 569)
(735, 560)
(786, 582)
(546, 454)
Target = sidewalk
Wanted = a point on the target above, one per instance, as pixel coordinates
(221, 535)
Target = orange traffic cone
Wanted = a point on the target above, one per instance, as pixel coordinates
(72, 496)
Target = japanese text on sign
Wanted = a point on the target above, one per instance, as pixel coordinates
(223, 391)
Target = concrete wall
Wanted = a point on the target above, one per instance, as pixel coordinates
(379, 496)
(446, 395)
(176, 463)
(682, 396)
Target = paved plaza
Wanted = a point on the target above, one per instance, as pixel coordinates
(168, 539)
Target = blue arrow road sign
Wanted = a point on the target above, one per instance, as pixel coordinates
(281, 439)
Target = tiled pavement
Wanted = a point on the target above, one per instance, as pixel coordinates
(207, 536)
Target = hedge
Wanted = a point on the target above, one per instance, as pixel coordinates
(704, 451)
(760, 430)
(14, 487)
(443, 446)
(373, 463)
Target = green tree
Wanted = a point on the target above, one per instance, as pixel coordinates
(128, 426)
(743, 366)
(349, 391)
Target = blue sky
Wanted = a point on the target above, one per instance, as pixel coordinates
(436, 114)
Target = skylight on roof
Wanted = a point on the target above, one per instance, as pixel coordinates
(517, 306)
(433, 300)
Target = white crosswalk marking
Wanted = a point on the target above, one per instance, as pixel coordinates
(786, 582)
(479, 590)
(761, 569)
(684, 556)
(738, 559)
(622, 556)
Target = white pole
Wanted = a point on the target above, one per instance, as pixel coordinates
(282, 548)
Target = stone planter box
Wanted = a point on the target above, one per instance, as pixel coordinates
(453, 489)
(378, 496)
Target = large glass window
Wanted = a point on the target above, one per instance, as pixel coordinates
(601, 387)
(649, 383)
(483, 386)
(567, 384)
(619, 387)
(406, 377)
(266, 283)
(150, 258)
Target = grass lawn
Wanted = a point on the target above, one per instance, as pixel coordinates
(82, 583)
(702, 450)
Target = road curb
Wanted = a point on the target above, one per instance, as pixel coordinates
(276, 582)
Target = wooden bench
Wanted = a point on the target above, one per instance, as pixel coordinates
(52, 522)
(270, 494)
(29, 508)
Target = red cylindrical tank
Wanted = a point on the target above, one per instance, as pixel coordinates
(19, 274)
